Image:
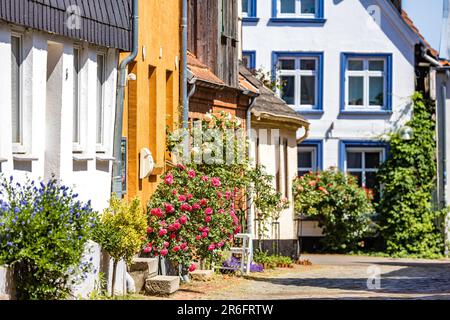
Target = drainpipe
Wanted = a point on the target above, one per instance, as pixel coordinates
(250, 213)
(429, 58)
(444, 155)
(122, 83)
(184, 73)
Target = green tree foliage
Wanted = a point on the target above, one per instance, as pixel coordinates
(342, 207)
(121, 231)
(408, 223)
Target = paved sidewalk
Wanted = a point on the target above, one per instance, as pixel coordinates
(345, 277)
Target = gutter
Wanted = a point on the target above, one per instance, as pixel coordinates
(429, 58)
(250, 213)
(120, 96)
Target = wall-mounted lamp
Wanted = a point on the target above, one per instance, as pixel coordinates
(406, 133)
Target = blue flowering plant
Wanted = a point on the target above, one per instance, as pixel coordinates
(43, 232)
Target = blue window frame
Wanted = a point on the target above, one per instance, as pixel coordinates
(362, 160)
(310, 156)
(249, 11)
(366, 83)
(297, 11)
(301, 77)
(249, 59)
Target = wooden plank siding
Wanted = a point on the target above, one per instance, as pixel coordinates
(103, 22)
(213, 36)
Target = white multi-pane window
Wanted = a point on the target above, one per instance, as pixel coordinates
(307, 160)
(366, 83)
(16, 92)
(298, 78)
(297, 8)
(76, 99)
(246, 8)
(363, 163)
(100, 110)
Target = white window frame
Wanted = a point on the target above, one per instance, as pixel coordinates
(101, 147)
(298, 74)
(19, 147)
(78, 145)
(246, 14)
(366, 74)
(363, 169)
(298, 11)
(314, 163)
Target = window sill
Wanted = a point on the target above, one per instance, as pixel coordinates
(250, 19)
(24, 157)
(312, 111)
(298, 20)
(366, 112)
(104, 158)
(3, 160)
(82, 157)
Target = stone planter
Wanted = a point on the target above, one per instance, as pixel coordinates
(7, 287)
(143, 269)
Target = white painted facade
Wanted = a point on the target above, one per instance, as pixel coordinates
(47, 120)
(47, 102)
(348, 28)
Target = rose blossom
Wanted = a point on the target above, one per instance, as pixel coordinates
(191, 173)
(166, 244)
(219, 195)
(182, 198)
(186, 207)
(208, 219)
(174, 192)
(156, 212)
(172, 236)
(147, 249)
(203, 202)
(177, 225)
(169, 208)
(183, 245)
(205, 229)
(220, 244)
(192, 268)
(211, 247)
(209, 211)
(228, 195)
(183, 219)
(162, 232)
(189, 196)
(216, 182)
(197, 237)
(204, 235)
(149, 230)
(196, 206)
(205, 178)
(168, 179)
(164, 252)
(176, 249)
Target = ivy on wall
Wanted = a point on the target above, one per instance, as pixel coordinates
(408, 223)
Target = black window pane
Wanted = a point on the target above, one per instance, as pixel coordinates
(355, 65)
(309, 64)
(308, 6)
(371, 180)
(305, 159)
(287, 64)
(354, 160)
(372, 160)
(302, 173)
(288, 89)
(308, 90)
(376, 65)
(287, 6)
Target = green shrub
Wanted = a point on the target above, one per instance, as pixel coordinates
(409, 225)
(340, 205)
(43, 232)
(121, 231)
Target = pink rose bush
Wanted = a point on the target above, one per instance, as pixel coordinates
(187, 220)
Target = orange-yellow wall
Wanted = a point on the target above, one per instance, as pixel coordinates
(152, 101)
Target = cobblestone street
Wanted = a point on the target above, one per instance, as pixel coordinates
(333, 277)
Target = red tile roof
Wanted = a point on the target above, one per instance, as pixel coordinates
(203, 73)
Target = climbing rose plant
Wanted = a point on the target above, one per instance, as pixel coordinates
(342, 207)
(191, 217)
